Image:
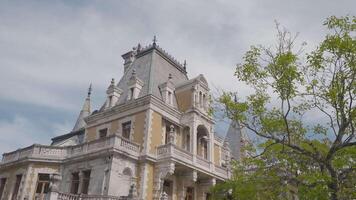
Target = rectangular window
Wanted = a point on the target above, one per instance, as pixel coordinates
(189, 193)
(75, 183)
(86, 180)
(42, 186)
(167, 133)
(126, 129)
(17, 186)
(103, 133)
(2, 186)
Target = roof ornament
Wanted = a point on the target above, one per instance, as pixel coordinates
(154, 40)
(133, 72)
(112, 81)
(170, 76)
(89, 90)
(235, 99)
(139, 47)
(185, 65)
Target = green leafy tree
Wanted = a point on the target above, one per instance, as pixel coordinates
(297, 158)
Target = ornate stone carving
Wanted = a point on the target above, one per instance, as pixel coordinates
(163, 171)
(55, 179)
(172, 135)
(194, 176)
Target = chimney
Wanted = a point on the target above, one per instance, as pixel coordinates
(128, 59)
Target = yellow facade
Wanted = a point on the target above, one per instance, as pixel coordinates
(139, 131)
(216, 154)
(184, 100)
(156, 134)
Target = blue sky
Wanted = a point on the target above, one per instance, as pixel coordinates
(50, 51)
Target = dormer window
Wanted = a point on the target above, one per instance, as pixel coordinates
(167, 91)
(169, 100)
(135, 85)
(132, 90)
(113, 95)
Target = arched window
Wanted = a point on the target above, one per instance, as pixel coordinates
(202, 141)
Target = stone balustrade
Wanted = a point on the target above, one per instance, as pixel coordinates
(171, 151)
(37, 151)
(66, 196)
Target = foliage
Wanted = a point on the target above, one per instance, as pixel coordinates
(298, 157)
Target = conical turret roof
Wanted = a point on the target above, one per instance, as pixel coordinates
(85, 112)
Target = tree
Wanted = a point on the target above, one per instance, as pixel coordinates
(298, 158)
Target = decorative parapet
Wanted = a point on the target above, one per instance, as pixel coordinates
(54, 153)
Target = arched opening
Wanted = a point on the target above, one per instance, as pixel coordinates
(202, 141)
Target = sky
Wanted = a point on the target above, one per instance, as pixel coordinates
(50, 51)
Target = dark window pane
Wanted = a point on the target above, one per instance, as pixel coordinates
(39, 188)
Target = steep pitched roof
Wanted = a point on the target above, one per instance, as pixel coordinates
(85, 112)
(152, 65)
(233, 137)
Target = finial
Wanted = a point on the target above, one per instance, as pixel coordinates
(170, 76)
(154, 40)
(89, 90)
(112, 81)
(139, 47)
(235, 99)
(185, 65)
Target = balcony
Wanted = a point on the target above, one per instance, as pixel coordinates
(55, 153)
(174, 153)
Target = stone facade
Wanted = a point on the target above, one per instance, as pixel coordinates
(152, 139)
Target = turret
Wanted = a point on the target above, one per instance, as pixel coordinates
(85, 112)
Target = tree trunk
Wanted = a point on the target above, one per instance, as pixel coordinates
(333, 185)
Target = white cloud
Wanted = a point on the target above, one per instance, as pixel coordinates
(51, 51)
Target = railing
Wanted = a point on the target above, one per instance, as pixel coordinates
(54, 152)
(203, 162)
(179, 154)
(220, 170)
(66, 196)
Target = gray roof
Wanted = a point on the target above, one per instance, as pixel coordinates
(152, 66)
(233, 137)
(85, 112)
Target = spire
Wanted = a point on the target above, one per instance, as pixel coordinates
(154, 40)
(233, 139)
(85, 112)
(185, 65)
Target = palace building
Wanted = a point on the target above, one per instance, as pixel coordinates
(153, 138)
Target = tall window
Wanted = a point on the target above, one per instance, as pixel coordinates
(126, 129)
(169, 101)
(86, 180)
(189, 193)
(17, 186)
(42, 186)
(2, 186)
(167, 133)
(75, 183)
(103, 133)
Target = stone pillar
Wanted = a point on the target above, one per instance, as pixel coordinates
(53, 193)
